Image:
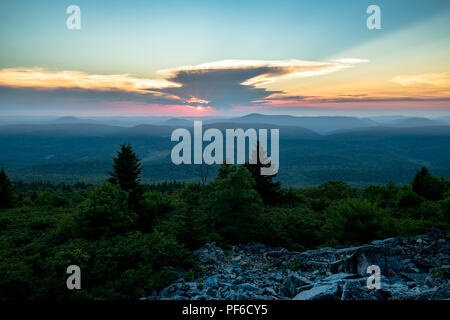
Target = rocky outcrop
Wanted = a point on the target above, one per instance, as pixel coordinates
(411, 268)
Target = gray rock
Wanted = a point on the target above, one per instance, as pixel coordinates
(276, 276)
(270, 291)
(276, 263)
(211, 282)
(211, 292)
(322, 292)
(209, 254)
(416, 278)
(396, 290)
(411, 267)
(226, 284)
(248, 287)
(291, 283)
(241, 295)
(356, 260)
(236, 259)
(357, 290)
(435, 234)
(340, 276)
(442, 292)
(171, 290)
(256, 246)
(429, 281)
(230, 295)
(408, 271)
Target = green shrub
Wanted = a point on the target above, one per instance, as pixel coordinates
(407, 199)
(235, 206)
(294, 228)
(105, 213)
(352, 221)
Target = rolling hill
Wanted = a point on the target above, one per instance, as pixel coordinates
(442, 130)
(413, 122)
(70, 152)
(319, 124)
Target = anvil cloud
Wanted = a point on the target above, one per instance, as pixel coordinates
(222, 84)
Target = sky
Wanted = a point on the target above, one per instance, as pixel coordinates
(206, 58)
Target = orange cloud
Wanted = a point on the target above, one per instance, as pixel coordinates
(432, 79)
(44, 79)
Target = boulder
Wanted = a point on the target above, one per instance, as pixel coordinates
(356, 260)
(321, 292)
(250, 288)
(340, 276)
(211, 282)
(292, 282)
(209, 254)
(357, 290)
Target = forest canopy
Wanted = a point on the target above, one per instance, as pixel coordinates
(131, 238)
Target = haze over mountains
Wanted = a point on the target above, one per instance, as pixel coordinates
(361, 151)
(162, 126)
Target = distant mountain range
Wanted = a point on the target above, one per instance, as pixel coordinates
(414, 122)
(287, 132)
(443, 130)
(71, 119)
(290, 126)
(445, 119)
(60, 129)
(360, 151)
(317, 124)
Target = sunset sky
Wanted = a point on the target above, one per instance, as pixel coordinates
(224, 58)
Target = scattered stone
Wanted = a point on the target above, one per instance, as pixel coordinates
(209, 254)
(411, 268)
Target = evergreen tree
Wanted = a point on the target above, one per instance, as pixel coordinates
(224, 170)
(235, 205)
(428, 186)
(269, 190)
(126, 173)
(126, 169)
(419, 182)
(6, 196)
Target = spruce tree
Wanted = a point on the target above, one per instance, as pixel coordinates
(419, 184)
(269, 190)
(6, 196)
(126, 173)
(126, 168)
